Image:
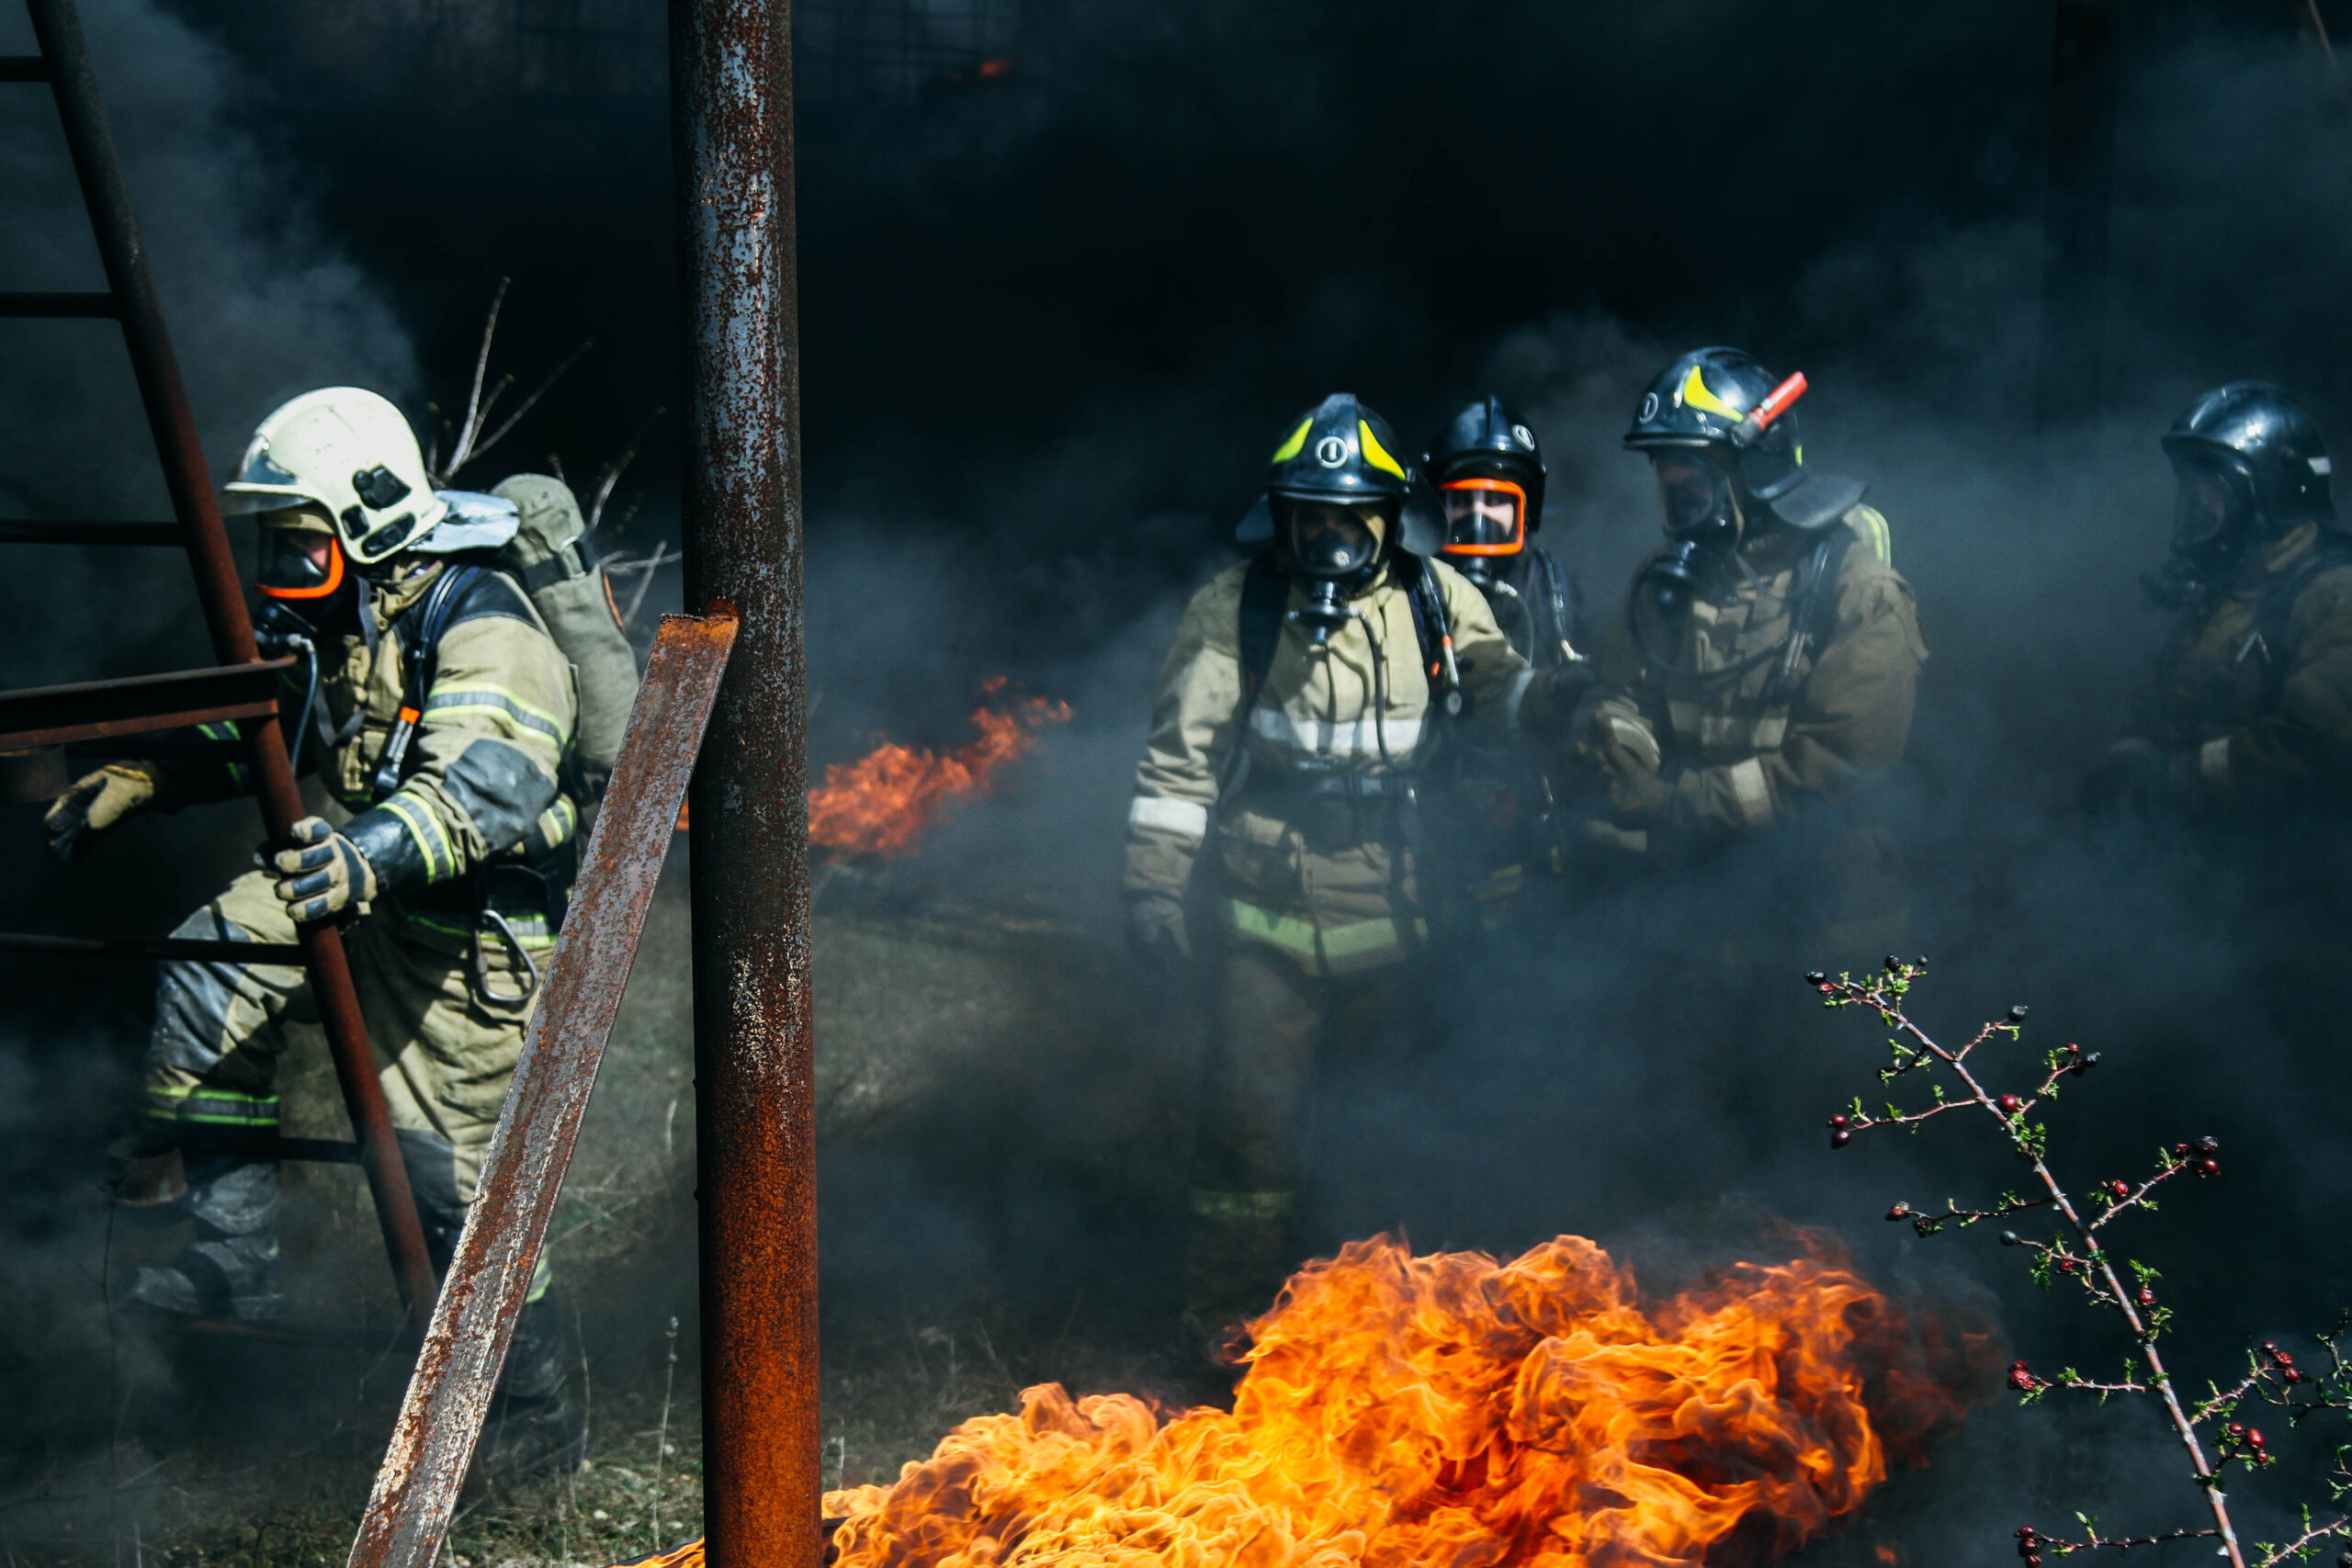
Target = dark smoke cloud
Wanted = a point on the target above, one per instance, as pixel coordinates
(1053, 327)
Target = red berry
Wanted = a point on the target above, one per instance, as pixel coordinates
(2209, 1168)
(2120, 1189)
(2238, 1428)
(2147, 1297)
(2012, 1105)
(2293, 1376)
(2180, 1150)
(2270, 1347)
(2254, 1436)
(1900, 1211)
(2283, 1359)
(1838, 1121)
(2065, 1266)
(2032, 1560)
(1827, 989)
(1840, 1138)
(2024, 1530)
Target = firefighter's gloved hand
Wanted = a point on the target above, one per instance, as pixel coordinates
(97, 802)
(323, 875)
(1156, 932)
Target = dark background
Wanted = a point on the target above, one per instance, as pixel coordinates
(1052, 314)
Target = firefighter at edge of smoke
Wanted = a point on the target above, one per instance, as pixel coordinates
(441, 712)
(1488, 469)
(1761, 674)
(2240, 750)
(1296, 735)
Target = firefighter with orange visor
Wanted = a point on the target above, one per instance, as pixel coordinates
(1297, 747)
(1488, 469)
(440, 713)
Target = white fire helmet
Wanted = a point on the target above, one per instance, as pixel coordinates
(351, 454)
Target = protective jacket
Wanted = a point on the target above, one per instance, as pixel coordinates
(2256, 680)
(1314, 828)
(477, 820)
(1776, 690)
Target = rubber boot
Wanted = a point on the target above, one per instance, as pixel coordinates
(534, 1425)
(1237, 1255)
(232, 1269)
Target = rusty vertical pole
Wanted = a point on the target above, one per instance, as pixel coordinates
(730, 93)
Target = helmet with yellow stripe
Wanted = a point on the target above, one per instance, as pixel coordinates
(1695, 425)
(1342, 453)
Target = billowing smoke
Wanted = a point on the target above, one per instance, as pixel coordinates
(1053, 322)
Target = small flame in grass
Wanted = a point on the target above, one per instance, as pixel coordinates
(1400, 1412)
(881, 803)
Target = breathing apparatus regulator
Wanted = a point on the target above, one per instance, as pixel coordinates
(1337, 507)
(2250, 466)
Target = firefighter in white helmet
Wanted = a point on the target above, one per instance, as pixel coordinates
(439, 714)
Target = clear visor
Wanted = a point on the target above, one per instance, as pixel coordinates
(1485, 517)
(299, 563)
(1693, 493)
(1328, 540)
(2215, 499)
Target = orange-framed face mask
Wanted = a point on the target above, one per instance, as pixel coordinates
(295, 566)
(1483, 517)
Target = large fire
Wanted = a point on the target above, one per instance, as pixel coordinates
(882, 803)
(1400, 1412)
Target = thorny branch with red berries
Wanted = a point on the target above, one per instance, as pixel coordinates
(2075, 1252)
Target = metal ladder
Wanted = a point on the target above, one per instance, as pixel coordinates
(244, 686)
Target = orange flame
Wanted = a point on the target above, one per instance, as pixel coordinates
(882, 803)
(1400, 1412)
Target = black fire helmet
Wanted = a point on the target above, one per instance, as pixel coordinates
(1343, 452)
(1490, 441)
(2261, 448)
(1701, 398)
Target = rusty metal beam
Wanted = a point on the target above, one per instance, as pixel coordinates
(65, 53)
(730, 98)
(140, 705)
(408, 1513)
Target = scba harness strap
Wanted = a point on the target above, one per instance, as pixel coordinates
(1265, 596)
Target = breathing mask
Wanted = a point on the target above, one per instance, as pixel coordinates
(2215, 510)
(1338, 550)
(1700, 506)
(1486, 519)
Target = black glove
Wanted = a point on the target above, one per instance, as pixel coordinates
(1156, 932)
(323, 875)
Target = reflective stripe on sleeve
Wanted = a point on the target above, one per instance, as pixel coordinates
(1748, 789)
(424, 828)
(1185, 819)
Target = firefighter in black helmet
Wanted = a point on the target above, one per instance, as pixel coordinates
(2252, 710)
(1297, 729)
(1489, 474)
(1766, 660)
(1488, 469)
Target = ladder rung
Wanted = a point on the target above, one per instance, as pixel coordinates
(100, 710)
(102, 305)
(197, 948)
(23, 68)
(26, 531)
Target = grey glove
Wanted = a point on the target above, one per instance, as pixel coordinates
(97, 801)
(323, 875)
(1156, 932)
